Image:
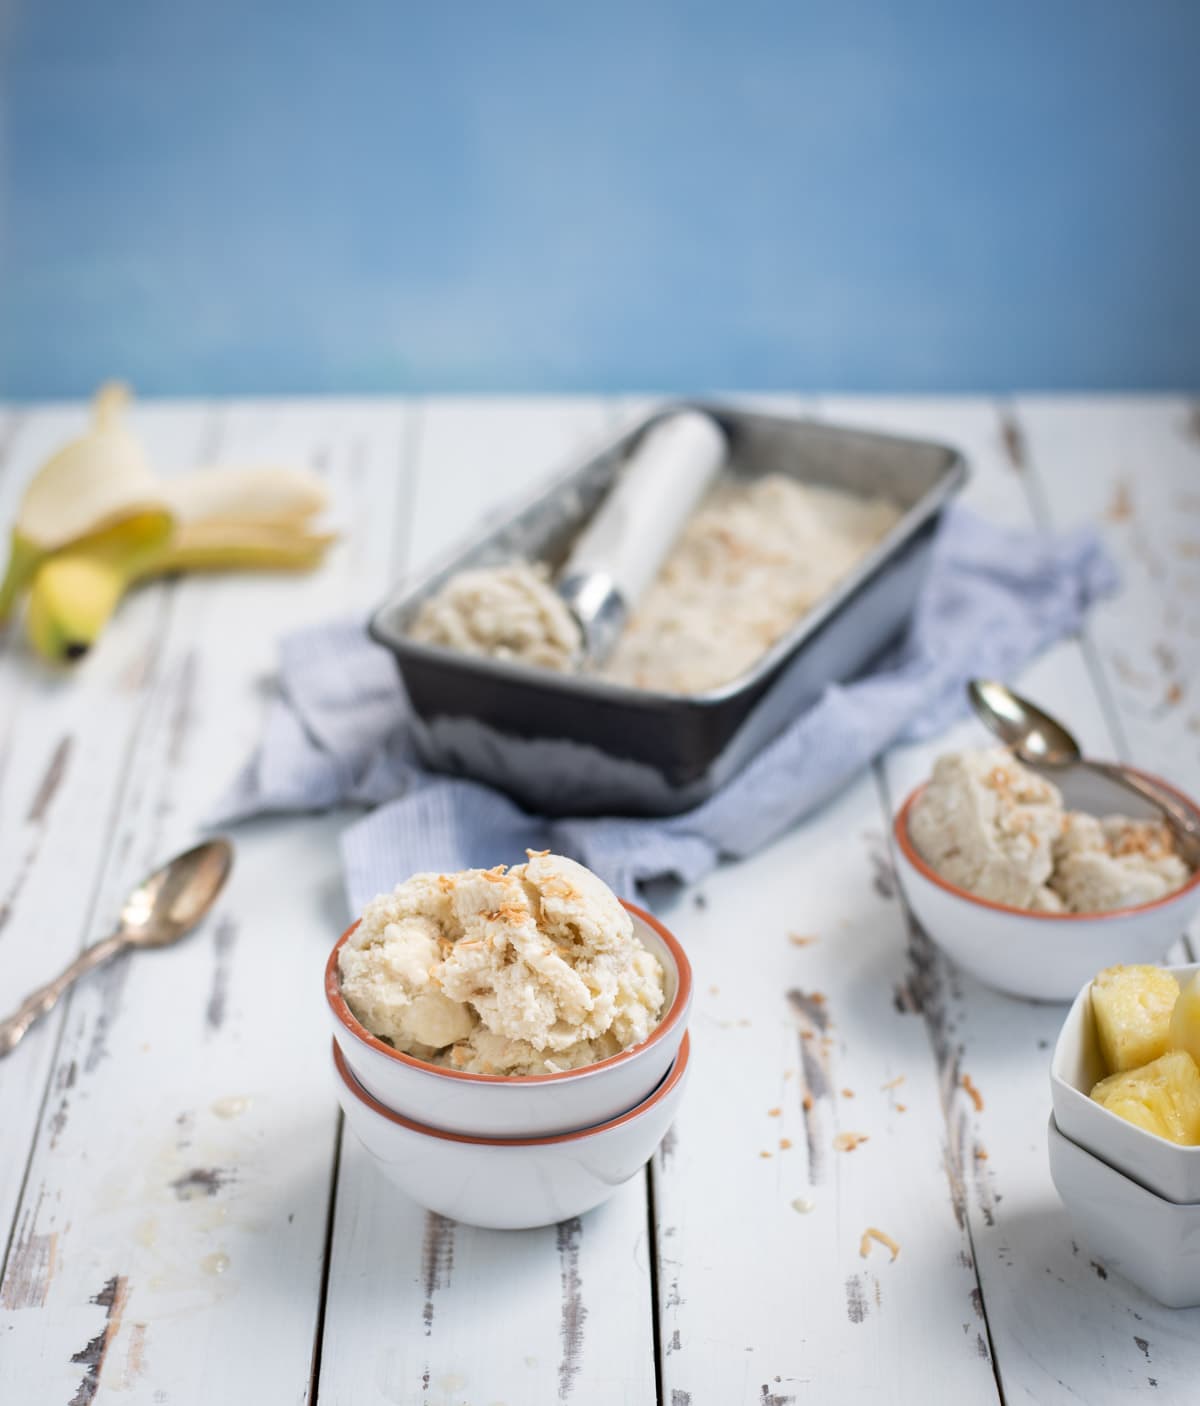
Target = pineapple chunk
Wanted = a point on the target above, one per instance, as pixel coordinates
(1132, 1007)
(1185, 1022)
(1163, 1098)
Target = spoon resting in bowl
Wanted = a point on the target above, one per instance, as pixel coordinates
(1043, 743)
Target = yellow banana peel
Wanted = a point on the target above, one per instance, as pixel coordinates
(90, 483)
(75, 592)
(94, 520)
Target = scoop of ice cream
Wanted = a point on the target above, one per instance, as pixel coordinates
(507, 612)
(1114, 863)
(988, 824)
(503, 971)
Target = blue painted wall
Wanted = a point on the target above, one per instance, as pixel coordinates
(364, 195)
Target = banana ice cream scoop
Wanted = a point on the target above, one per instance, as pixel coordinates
(528, 970)
(997, 829)
(988, 824)
(513, 611)
(506, 612)
(1114, 862)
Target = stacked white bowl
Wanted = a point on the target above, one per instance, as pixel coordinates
(515, 1152)
(1134, 1197)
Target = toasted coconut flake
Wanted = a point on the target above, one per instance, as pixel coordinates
(972, 1093)
(774, 1112)
(892, 1083)
(847, 1142)
(880, 1237)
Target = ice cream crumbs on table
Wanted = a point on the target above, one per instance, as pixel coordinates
(506, 612)
(989, 825)
(530, 970)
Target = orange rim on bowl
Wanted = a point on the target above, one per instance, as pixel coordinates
(673, 1076)
(908, 849)
(683, 991)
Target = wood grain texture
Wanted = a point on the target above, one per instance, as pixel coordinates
(1131, 467)
(64, 746)
(419, 1309)
(174, 1170)
(1063, 1327)
(183, 1157)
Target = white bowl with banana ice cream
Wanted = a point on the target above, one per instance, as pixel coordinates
(511, 1183)
(508, 1002)
(1033, 885)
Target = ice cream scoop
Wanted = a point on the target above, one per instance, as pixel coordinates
(514, 611)
(620, 551)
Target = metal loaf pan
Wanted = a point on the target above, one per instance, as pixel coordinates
(573, 745)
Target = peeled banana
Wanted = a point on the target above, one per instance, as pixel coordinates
(90, 483)
(95, 520)
(76, 591)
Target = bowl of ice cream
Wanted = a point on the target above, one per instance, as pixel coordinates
(1033, 886)
(1125, 1076)
(511, 1183)
(520, 1002)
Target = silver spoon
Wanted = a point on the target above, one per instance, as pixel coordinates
(1042, 741)
(161, 910)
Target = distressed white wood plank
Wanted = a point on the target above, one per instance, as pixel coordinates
(181, 1176)
(759, 1300)
(1061, 1331)
(418, 1309)
(424, 1310)
(1131, 467)
(64, 740)
(819, 1313)
(479, 453)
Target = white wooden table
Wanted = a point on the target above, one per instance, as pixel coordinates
(186, 1220)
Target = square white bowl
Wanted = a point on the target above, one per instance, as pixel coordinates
(1152, 1242)
(1162, 1167)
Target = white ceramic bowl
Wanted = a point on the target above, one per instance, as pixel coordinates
(491, 1105)
(510, 1184)
(1153, 1242)
(1044, 956)
(1164, 1168)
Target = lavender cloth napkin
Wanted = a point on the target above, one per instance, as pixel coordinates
(338, 732)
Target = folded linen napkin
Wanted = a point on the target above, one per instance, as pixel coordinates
(338, 733)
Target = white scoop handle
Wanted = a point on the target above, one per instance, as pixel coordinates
(655, 494)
